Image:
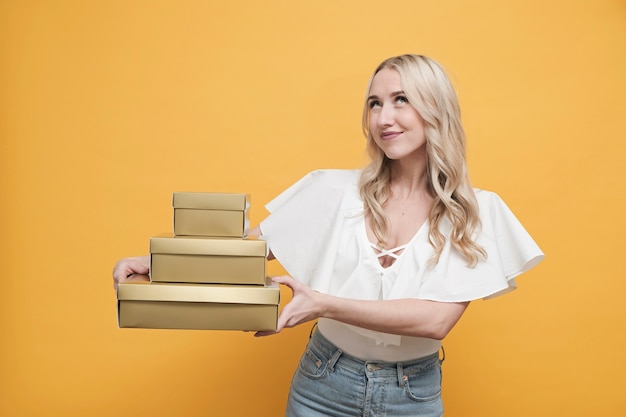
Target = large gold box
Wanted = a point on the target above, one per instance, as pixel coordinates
(194, 259)
(199, 307)
(211, 214)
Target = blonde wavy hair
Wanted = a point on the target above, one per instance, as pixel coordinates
(430, 92)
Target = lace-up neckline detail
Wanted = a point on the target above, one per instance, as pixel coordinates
(380, 252)
(388, 257)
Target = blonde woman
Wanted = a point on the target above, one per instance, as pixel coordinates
(387, 259)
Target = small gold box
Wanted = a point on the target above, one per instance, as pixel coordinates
(211, 214)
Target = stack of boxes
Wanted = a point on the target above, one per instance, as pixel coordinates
(206, 275)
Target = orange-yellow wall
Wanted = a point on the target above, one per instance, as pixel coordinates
(107, 107)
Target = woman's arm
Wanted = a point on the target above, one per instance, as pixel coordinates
(409, 317)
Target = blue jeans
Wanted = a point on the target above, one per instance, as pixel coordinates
(329, 382)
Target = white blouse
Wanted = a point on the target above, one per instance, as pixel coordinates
(316, 230)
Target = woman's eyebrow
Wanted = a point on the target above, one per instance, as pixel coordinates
(394, 94)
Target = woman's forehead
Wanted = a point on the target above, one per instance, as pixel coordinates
(386, 79)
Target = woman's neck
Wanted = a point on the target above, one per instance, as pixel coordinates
(409, 178)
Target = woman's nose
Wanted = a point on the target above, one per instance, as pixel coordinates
(386, 116)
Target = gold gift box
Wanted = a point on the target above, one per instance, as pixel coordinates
(199, 307)
(194, 259)
(211, 214)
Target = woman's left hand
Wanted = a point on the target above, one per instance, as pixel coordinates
(305, 305)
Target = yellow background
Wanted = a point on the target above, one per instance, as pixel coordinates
(107, 107)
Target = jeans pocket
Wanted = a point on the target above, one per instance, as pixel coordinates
(425, 385)
(312, 365)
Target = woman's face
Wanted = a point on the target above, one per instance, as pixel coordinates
(394, 123)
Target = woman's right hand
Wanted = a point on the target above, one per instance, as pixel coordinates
(127, 267)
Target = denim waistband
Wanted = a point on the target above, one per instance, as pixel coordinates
(372, 368)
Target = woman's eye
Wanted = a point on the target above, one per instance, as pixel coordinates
(374, 103)
(401, 100)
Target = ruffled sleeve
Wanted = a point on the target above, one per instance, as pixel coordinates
(510, 252)
(302, 229)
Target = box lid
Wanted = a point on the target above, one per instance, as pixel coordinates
(211, 201)
(199, 293)
(202, 245)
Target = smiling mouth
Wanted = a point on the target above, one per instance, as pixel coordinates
(389, 135)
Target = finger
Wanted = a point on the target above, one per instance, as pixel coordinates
(121, 271)
(120, 274)
(279, 279)
(138, 268)
(137, 278)
(285, 280)
(283, 317)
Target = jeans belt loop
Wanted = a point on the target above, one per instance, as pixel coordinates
(333, 360)
(401, 376)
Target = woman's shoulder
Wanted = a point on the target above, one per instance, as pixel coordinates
(334, 174)
(496, 217)
(327, 180)
(316, 187)
(485, 195)
(488, 200)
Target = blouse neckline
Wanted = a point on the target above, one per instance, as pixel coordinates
(370, 247)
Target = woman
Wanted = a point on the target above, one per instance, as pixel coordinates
(387, 259)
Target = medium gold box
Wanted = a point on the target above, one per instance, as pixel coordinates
(199, 307)
(194, 259)
(211, 214)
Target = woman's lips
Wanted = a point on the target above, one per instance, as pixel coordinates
(389, 135)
